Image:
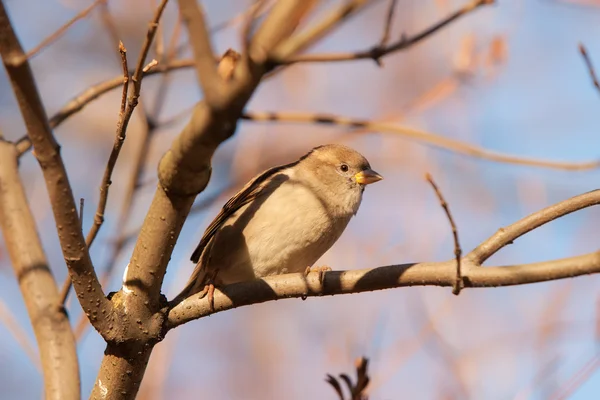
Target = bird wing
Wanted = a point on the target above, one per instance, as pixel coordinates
(248, 193)
(251, 191)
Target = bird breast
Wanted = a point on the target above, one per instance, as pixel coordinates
(283, 230)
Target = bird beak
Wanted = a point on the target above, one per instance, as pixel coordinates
(367, 177)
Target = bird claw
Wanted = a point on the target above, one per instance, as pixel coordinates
(209, 290)
(321, 270)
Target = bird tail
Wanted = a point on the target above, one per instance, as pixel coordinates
(195, 284)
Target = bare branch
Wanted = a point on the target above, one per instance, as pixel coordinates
(11, 324)
(378, 51)
(50, 323)
(589, 65)
(388, 23)
(305, 39)
(387, 277)
(457, 250)
(110, 166)
(47, 152)
(357, 389)
(60, 31)
(206, 70)
(427, 138)
(114, 154)
(508, 234)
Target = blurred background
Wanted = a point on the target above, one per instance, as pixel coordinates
(508, 78)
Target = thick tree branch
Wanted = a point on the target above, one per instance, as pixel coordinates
(204, 60)
(50, 323)
(416, 274)
(387, 277)
(47, 152)
(427, 138)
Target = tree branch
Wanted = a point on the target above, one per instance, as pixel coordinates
(50, 323)
(47, 152)
(192, 15)
(457, 250)
(590, 66)
(426, 138)
(367, 280)
(60, 31)
(378, 51)
(509, 234)
(416, 274)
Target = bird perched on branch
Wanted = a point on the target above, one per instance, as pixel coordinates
(282, 221)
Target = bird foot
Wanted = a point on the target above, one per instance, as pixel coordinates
(321, 270)
(209, 290)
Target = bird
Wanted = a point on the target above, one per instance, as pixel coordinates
(282, 221)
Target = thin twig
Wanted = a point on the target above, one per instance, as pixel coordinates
(589, 65)
(81, 203)
(357, 389)
(577, 379)
(457, 250)
(60, 31)
(11, 324)
(424, 137)
(388, 23)
(112, 160)
(376, 52)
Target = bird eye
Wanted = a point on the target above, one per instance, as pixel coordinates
(344, 168)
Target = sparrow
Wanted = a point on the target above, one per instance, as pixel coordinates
(282, 221)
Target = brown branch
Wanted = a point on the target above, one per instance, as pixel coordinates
(424, 137)
(441, 274)
(50, 323)
(60, 31)
(419, 274)
(590, 66)
(457, 250)
(192, 15)
(379, 51)
(356, 389)
(302, 40)
(47, 152)
(385, 37)
(114, 154)
(509, 234)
